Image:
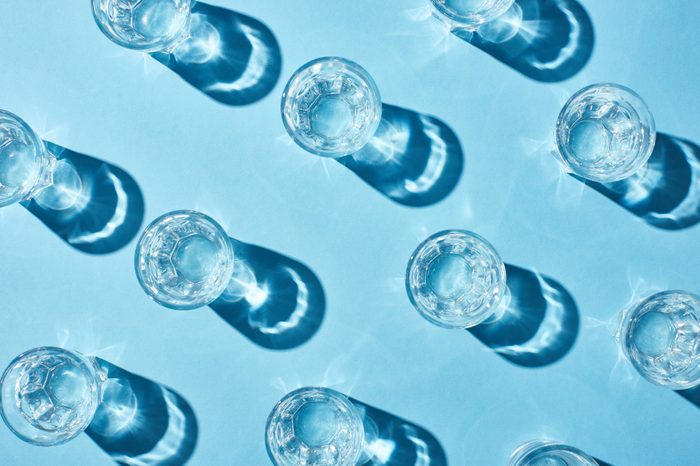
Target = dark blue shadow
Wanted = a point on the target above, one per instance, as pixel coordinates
(142, 422)
(666, 192)
(231, 57)
(540, 325)
(602, 463)
(392, 441)
(553, 42)
(107, 211)
(691, 394)
(279, 303)
(413, 159)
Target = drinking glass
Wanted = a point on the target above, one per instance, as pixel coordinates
(660, 335)
(331, 107)
(456, 279)
(605, 133)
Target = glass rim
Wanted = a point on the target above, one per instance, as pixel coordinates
(549, 445)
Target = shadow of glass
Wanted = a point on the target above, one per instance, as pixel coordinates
(231, 57)
(540, 324)
(93, 206)
(552, 42)
(142, 422)
(602, 463)
(691, 394)
(413, 159)
(665, 193)
(276, 302)
(392, 441)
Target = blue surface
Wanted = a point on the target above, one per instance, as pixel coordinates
(83, 92)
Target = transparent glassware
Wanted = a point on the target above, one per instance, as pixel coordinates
(331, 107)
(605, 133)
(456, 279)
(184, 260)
(471, 14)
(145, 25)
(660, 335)
(315, 427)
(548, 453)
(50, 395)
(26, 166)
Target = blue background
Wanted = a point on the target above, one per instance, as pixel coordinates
(77, 89)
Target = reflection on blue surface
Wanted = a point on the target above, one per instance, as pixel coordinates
(392, 441)
(231, 57)
(539, 326)
(553, 42)
(666, 192)
(140, 422)
(413, 159)
(103, 216)
(275, 301)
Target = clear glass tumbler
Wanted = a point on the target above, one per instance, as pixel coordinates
(331, 107)
(548, 453)
(184, 260)
(456, 279)
(28, 170)
(26, 166)
(605, 133)
(145, 25)
(315, 427)
(471, 14)
(660, 335)
(50, 395)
